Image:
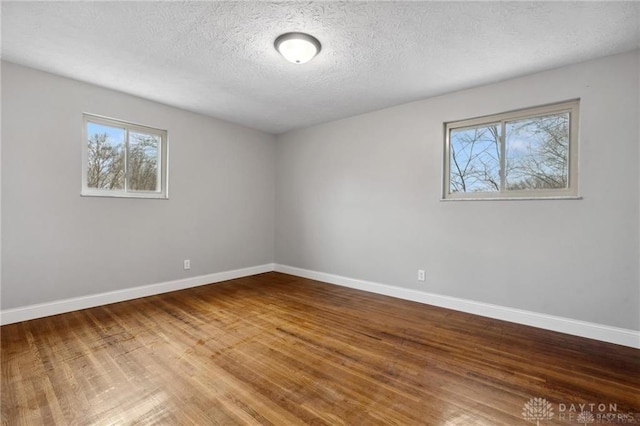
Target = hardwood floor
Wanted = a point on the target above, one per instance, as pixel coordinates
(278, 349)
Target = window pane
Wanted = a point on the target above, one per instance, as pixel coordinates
(474, 159)
(142, 162)
(105, 160)
(537, 152)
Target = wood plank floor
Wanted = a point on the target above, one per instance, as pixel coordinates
(282, 350)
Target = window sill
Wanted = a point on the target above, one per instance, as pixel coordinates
(533, 198)
(125, 195)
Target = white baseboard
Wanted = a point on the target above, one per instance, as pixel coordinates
(589, 330)
(25, 313)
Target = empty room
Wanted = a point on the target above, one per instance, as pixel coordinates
(328, 213)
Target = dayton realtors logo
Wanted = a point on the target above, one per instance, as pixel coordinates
(540, 410)
(537, 409)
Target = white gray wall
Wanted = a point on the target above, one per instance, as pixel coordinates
(57, 244)
(356, 197)
(360, 198)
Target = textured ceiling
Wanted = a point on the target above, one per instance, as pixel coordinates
(217, 58)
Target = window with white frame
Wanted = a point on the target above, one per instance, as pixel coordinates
(529, 153)
(122, 159)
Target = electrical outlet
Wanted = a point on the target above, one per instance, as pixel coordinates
(187, 264)
(422, 276)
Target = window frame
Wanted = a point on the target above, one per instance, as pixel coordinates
(570, 192)
(162, 193)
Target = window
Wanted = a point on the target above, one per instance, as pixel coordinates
(122, 159)
(530, 153)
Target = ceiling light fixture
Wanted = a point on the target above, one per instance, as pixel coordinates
(297, 47)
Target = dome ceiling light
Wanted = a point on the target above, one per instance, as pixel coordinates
(297, 48)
